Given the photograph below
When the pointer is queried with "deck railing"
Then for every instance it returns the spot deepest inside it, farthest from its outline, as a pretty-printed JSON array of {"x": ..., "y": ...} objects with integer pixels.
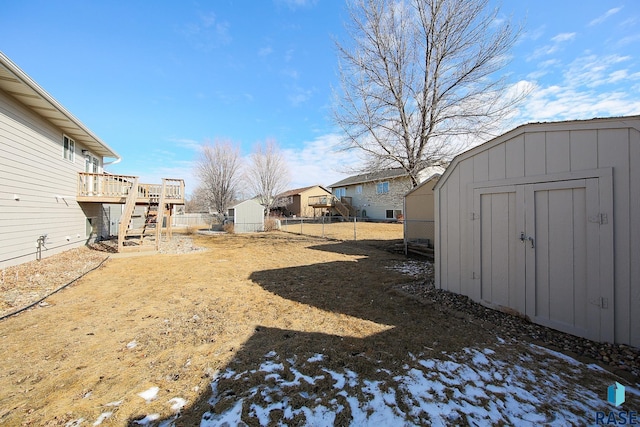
[
  {"x": 325, "y": 200},
  {"x": 115, "y": 188}
]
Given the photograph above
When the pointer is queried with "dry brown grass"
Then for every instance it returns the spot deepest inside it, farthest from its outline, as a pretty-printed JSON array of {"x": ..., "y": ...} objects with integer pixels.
[
  {"x": 347, "y": 230},
  {"x": 174, "y": 321},
  {"x": 188, "y": 316}
]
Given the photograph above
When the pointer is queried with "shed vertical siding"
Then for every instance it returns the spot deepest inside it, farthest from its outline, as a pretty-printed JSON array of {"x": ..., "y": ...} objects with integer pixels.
[
  {"x": 32, "y": 167},
  {"x": 548, "y": 152},
  {"x": 634, "y": 237},
  {"x": 613, "y": 150}
]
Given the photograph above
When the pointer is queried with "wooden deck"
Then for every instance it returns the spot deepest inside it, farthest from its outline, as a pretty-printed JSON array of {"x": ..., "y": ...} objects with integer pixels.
[{"x": 107, "y": 188}]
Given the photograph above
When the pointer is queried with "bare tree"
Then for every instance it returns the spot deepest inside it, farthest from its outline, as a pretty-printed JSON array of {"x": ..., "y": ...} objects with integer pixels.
[
  {"x": 267, "y": 174},
  {"x": 421, "y": 80},
  {"x": 218, "y": 168}
]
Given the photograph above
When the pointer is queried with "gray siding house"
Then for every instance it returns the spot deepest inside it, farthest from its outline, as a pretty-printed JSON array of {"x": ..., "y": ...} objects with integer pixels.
[
  {"x": 43, "y": 147},
  {"x": 544, "y": 221},
  {"x": 53, "y": 184},
  {"x": 378, "y": 195}
]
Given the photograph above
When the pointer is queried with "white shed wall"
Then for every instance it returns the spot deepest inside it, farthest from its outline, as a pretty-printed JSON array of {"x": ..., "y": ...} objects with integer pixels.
[
  {"x": 543, "y": 153},
  {"x": 32, "y": 167},
  {"x": 248, "y": 217}
]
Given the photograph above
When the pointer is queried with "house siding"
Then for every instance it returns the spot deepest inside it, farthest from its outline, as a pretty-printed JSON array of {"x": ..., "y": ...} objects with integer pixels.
[
  {"x": 547, "y": 153},
  {"x": 32, "y": 167},
  {"x": 375, "y": 205}
]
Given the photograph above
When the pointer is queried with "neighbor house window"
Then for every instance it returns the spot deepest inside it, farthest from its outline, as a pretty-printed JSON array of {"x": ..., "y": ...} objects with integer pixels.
[
  {"x": 69, "y": 148},
  {"x": 358, "y": 189},
  {"x": 340, "y": 192},
  {"x": 382, "y": 188},
  {"x": 389, "y": 214}
]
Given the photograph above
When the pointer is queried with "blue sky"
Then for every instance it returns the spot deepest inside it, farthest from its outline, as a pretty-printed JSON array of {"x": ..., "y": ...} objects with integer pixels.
[{"x": 156, "y": 79}]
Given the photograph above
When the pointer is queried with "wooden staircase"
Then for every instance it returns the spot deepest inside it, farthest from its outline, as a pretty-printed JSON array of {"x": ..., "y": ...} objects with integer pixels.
[
  {"x": 141, "y": 231},
  {"x": 343, "y": 208}
]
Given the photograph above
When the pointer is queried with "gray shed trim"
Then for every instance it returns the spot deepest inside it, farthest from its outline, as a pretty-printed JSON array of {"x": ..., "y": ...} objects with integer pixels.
[{"x": 543, "y": 205}]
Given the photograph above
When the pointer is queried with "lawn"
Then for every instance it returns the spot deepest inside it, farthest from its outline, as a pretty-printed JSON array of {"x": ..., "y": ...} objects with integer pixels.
[{"x": 276, "y": 328}]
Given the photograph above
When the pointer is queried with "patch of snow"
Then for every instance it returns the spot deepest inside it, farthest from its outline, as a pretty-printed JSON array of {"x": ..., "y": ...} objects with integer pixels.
[
  {"x": 116, "y": 403},
  {"x": 541, "y": 350},
  {"x": 231, "y": 417},
  {"x": 466, "y": 387},
  {"x": 177, "y": 403},
  {"x": 148, "y": 419},
  {"x": 150, "y": 394},
  {"x": 132, "y": 344},
  {"x": 316, "y": 358},
  {"x": 412, "y": 268},
  {"x": 102, "y": 417}
]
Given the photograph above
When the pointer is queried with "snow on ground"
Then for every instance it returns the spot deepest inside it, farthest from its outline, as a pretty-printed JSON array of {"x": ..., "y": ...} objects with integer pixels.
[
  {"x": 476, "y": 387},
  {"x": 413, "y": 268}
]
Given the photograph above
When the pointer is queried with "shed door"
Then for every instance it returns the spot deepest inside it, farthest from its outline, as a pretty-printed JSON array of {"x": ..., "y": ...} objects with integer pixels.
[
  {"x": 562, "y": 255},
  {"x": 500, "y": 250},
  {"x": 543, "y": 250}
]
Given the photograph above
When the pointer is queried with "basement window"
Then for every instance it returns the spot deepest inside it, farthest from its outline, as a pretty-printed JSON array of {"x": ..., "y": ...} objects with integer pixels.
[
  {"x": 68, "y": 148},
  {"x": 389, "y": 214}
]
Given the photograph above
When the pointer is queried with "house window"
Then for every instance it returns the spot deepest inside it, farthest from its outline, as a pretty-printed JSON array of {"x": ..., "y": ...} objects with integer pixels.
[
  {"x": 389, "y": 214},
  {"x": 358, "y": 189},
  {"x": 340, "y": 192},
  {"x": 69, "y": 148},
  {"x": 382, "y": 187}
]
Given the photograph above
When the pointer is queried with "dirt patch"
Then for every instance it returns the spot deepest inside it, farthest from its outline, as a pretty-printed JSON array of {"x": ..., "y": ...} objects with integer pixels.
[{"x": 141, "y": 339}]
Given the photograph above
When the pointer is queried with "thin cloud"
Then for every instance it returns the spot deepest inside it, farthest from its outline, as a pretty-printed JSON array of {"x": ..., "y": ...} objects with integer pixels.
[
  {"x": 319, "y": 162},
  {"x": 208, "y": 32},
  {"x": 265, "y": 51},
  {"x": 600, "y": 19},
  {"x": 563, "y": 37}
]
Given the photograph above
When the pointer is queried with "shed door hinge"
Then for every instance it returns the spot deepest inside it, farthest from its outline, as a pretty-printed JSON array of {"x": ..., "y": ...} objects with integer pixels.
[
  {"x": 473, "y": 216},
  {"x": 600, "y": 218},
  {"x": 601, "y": 302}
]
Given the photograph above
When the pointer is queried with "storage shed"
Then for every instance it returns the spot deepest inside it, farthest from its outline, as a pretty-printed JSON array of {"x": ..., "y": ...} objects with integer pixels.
[
  {"x": 247, "y": 216},
  {"x": 419, "y": 217},
  {"x": 545, "y": 221}
]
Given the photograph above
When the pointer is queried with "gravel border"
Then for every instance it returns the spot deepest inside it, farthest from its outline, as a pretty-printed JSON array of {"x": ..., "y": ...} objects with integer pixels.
[{"x": 620, "y": 359}]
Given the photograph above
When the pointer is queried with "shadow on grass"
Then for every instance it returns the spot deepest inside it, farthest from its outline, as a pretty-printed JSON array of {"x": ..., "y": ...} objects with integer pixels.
[{"x": 360, "y": 290}]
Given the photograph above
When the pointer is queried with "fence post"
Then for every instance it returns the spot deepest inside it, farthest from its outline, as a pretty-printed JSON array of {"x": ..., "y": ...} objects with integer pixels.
[
  {"x": 300, "y": 226},
  {"x": 323, "y": 226},
  {"x": 354, "y": 228}
]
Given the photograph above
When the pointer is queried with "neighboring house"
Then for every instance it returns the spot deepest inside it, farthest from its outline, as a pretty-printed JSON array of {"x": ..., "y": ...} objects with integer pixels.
[
  {"x": 247, "y": 216},
  {"x": 378, "y": 195},
  {"x": 296, "y": 202},
  {"x": 419, "y": 216},
  {"x": 544, "y": 221},
  {"x": 53, "y": 182}
]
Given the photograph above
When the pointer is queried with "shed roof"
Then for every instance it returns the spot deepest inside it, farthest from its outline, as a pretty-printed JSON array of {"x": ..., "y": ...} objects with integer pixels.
[
  {"x": 566, "y": 125},
  {"x": 18, "y": 84},
  {"x": 425, "y": 182}
]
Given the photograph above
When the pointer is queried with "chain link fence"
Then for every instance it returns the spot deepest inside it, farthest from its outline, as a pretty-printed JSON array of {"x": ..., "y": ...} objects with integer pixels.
[{"x": 340, "y": 228}]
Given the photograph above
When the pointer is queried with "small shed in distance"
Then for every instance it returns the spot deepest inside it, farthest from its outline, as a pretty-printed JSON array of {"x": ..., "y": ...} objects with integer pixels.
[
  {"x": 544, "y": 221},
  {"x": 247, "y": 216},
  {"x": 419, "y": 217}
]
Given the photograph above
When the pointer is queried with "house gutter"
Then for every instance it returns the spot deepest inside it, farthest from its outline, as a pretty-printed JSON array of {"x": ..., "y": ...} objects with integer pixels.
[{"x": 22, "y": 76}]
